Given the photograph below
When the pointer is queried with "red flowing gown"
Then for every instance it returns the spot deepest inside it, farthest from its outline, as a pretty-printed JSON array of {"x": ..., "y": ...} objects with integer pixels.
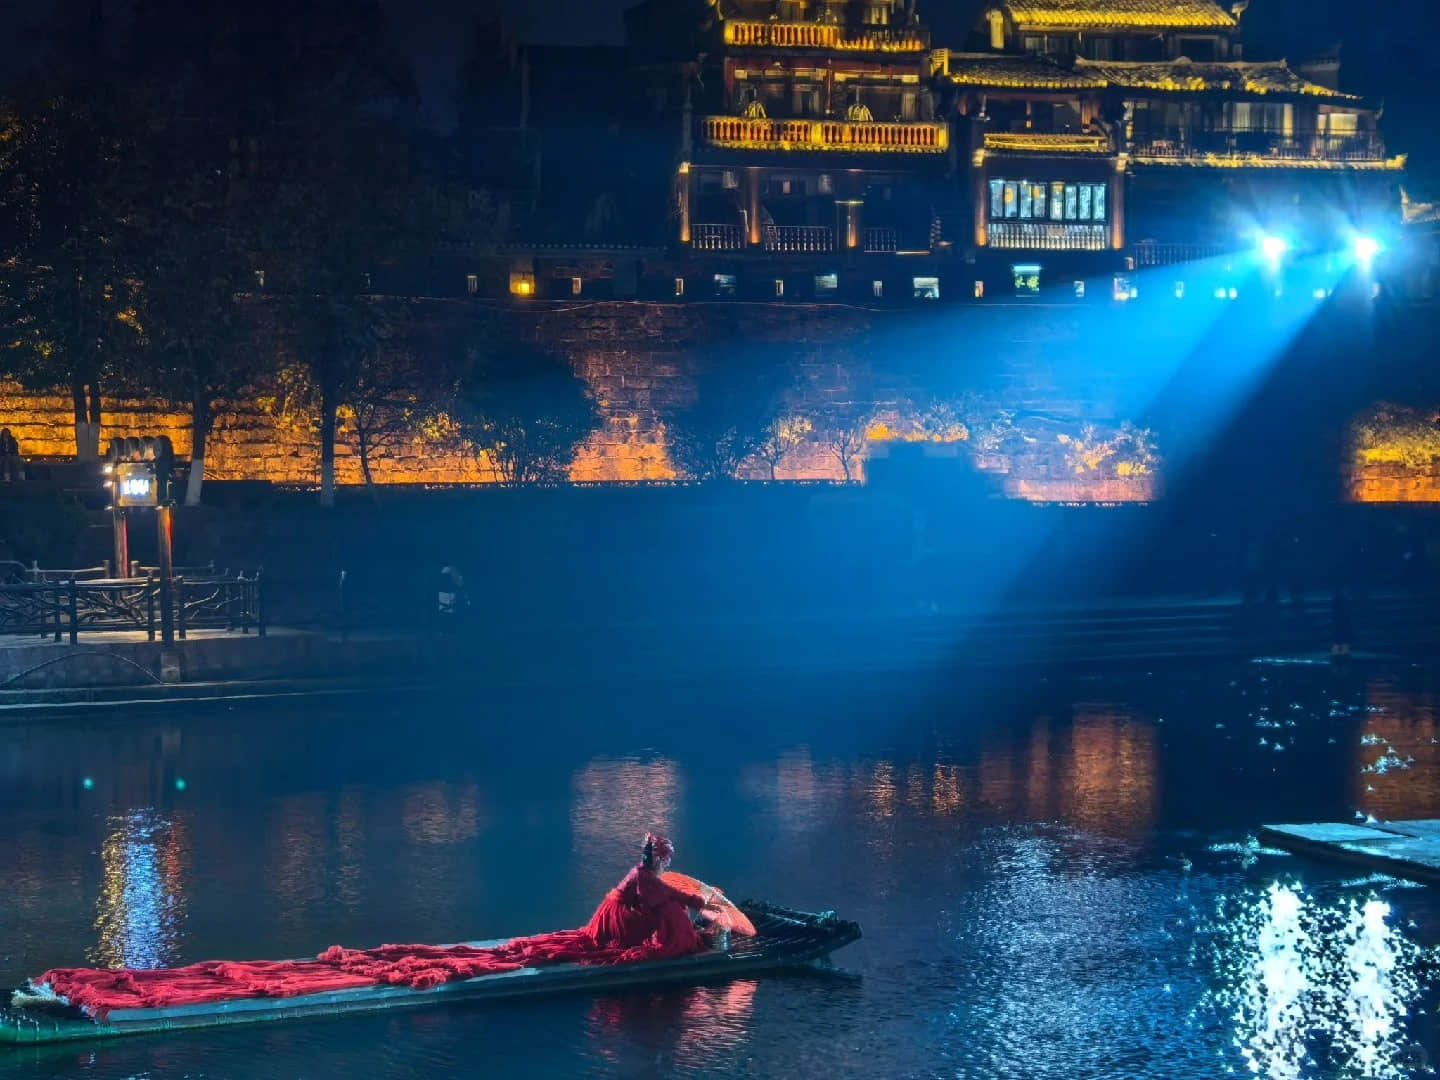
[{"x": 646, "y": 912}]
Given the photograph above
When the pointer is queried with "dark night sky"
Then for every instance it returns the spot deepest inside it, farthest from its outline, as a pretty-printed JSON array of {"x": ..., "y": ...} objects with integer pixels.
[{"x": 1389, "y": 51}]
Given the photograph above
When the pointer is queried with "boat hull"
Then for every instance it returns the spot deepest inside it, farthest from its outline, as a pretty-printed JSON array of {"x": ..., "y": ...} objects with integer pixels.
[{"x": 785, "y": 939}]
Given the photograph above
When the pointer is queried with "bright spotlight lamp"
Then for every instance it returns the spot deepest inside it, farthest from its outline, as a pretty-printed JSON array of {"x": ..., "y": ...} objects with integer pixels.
[
  {"x": 1273, "y": 247},
  {"x": 1365, "y": 249}
]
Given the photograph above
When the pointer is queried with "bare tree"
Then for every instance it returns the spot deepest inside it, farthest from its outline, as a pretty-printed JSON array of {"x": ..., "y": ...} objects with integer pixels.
[
  {"x": 843, "y": 434},
  {"x": 784, "y": 435}
]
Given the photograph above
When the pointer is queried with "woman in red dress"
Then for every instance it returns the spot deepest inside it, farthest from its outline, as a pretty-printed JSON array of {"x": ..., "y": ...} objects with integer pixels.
[{"x": 645, "y": 912}]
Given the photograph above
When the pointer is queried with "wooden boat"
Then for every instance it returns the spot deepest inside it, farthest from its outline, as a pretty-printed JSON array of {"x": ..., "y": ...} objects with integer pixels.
[{"x": 784, "y": 939}]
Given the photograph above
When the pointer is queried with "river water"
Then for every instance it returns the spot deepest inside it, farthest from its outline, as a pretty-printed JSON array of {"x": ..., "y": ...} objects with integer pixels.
[{"x": 1056, "y": 878}]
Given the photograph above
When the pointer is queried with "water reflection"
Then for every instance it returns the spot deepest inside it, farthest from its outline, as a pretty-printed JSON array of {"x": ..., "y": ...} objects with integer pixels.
[
  {"x": 615, "y": 800},
  {"x": 693, "y": 1030},
  {"x": 440, "y": 814},
  {"x": 140, "y": 912},
  {"x": 295, "y": 867},
  {"x": 1313, "y": 989},
  {"x": 1397, "y": 754}
]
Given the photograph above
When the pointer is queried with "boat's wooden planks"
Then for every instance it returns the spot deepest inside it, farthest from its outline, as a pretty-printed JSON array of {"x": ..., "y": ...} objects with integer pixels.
[{"x": 785, "y": 939}]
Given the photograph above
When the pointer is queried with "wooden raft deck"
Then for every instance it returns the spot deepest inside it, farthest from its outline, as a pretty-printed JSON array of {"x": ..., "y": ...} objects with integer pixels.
[{"x": 1407, "y": 849}]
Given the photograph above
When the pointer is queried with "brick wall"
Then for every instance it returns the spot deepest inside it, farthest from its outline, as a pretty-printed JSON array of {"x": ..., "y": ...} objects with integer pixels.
[{"x": 641, "y": 360}]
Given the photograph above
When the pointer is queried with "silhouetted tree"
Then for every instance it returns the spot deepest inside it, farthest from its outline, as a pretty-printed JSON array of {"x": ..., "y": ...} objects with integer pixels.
[
  {"x": 735, "y": 407},
  {"x": 525, "y": 409}
]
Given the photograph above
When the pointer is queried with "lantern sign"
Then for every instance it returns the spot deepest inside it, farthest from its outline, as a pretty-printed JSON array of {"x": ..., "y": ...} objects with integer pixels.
[{"x": 139, "y": 471}]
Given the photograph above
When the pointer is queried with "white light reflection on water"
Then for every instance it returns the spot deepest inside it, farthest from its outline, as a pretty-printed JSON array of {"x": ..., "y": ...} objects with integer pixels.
[
  {"x": 1314, "y": 989},
  {"x": 140, "y": 911}
]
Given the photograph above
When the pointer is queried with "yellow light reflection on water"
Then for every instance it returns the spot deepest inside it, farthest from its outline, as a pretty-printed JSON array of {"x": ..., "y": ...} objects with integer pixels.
[
  {"x": 1396, "y": 772},
  {"x": 140, "y": 911}
]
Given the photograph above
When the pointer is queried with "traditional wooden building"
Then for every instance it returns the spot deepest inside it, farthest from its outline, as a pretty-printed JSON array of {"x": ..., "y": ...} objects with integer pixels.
[{"x": 828, "y": 149}]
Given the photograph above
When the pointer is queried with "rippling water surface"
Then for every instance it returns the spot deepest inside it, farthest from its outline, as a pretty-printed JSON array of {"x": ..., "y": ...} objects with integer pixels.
[{"x": 1055, "y": 880}]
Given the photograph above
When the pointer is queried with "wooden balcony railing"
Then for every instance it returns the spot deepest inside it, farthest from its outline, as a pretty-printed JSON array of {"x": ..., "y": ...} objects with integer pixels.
[
  {"x": 737, "y": 132},
  {"x": 1185, "y": 143},
  {"x": 1039, "y": 236},
  {"x": 717, "y": 237},
  {"x": 805, "y": 35},
  {"x": 799, "y": 238},
  {"x": 879, "y": 241},
  {"x": 1148, "y": 253}
]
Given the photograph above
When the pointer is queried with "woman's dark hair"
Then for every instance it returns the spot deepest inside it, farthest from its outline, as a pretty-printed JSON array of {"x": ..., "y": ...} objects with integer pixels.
[{"x": 647, "y": 855}]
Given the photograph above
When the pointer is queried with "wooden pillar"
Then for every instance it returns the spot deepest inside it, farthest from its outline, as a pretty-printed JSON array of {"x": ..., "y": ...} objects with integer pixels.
[
  {"x": 1117, "y": 205},
  {"x": 752, "y": 207},
  {"x": 122, "y": 539},
  {"x": 848, "y": 223},
  {"x": 982, "y": 193},
  {"x": 682, "y": 183},
  {"x": 167, "y": 578}
]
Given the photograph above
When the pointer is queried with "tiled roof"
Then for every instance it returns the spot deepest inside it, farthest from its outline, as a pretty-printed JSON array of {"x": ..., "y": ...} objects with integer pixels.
[
  {"x": 1022, "y": 72},
  {"x": 1185, "y": 76},
  {"x": 1159, "y": 14}
]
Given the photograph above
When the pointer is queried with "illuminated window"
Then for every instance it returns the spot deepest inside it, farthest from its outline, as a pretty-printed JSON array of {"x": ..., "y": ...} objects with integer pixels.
[
  {"x": 577, "y": 284},
  {"x": 784, "y": 187},
  {"x": 1026, "y": 277},
  {"x": 1027, "y": 200},
  {"x": 926, "y": 288},
  {"x": 997, "y": 198},
  {"x": 826, "y": 184},
  {"x": 1179, "y": 290},
  {"x": 725, "y": 285},
  {"x": 522, "y": 283},
  {"x": 1220, "y": 293},
  {"x": 1233, "y": 293},
  {"x": 1072, "y": 202},
  {"x": 365, "y": 282},
  {"x": 1124, "y": 289},
  {"x": 1079, "y": 290},
  {"x": 1084, "y": 194},
  {"x": 728, "y": 179},
  {"x": 259, "y": 279},
  {"x": 826, "y": 284},
  {"x": 472, "y": 283},
  {"x": 1129, "y": 262},
  {"x": 877, "y": 289},
  {"x": 679, "y": 286},
  {"x": 1097, "y": 202},
  {"x": 979, "y": 290},
  {"x": 779, "y": 286},
  {"x": 1012, "y": 198},
  {"x": 1057, "y": 201},
  {"x": 1037, "y": 198}
]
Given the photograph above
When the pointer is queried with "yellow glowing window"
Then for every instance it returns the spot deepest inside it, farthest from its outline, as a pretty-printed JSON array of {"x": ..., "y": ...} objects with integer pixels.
[
  {"x": 1057, "y": 201},
  {"x": 1012, "y": 199},
  {"x": 522, "y": 283},
  {"x": 979, "y": 290},
  {"x": 679, "y": 286}
]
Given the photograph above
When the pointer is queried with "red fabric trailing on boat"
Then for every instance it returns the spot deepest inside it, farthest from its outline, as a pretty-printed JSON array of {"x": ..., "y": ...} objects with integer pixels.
[{"x": 641, "y": 919}]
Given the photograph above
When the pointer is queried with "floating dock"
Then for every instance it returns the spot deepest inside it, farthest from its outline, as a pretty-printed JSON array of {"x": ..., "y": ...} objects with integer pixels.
[{"x": 1407, "y": 849}]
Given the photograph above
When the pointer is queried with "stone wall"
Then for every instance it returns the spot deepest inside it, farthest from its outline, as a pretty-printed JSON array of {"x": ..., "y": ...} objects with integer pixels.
[
  {"x": 1394, "y": 482},
  {"x": 641, "y": 361}
]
